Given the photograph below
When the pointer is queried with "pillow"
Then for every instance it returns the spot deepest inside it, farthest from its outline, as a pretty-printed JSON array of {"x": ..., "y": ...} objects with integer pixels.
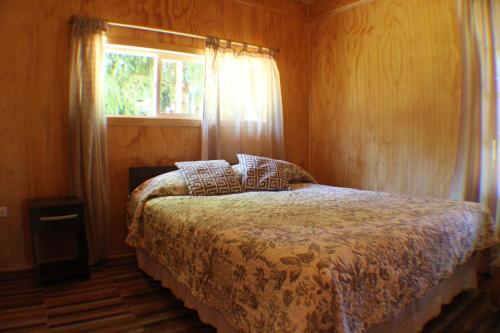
[
  {"x": 237, "y": 171},
  {"x": 296, "y": 174},
  {"x": 214, "y": 177},
  {"x": 262, "y": 174}
]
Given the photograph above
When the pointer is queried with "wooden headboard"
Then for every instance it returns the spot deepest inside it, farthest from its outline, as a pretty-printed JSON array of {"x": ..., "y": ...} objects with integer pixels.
[{"x": 138, "y": 175}]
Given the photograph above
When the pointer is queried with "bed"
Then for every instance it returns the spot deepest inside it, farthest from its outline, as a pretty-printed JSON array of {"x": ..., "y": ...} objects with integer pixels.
[{"x": 314, "y": 259}]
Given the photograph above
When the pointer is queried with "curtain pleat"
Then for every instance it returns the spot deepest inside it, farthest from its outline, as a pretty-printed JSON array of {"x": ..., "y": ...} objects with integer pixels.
[
  {"x": 87, "y": 125},
  {"x": 243, "y": 110},
  {"x": 477, "y": 169}
]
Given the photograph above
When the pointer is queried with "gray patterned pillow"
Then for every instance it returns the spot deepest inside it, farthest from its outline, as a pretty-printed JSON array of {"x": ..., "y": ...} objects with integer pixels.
[
  {"x": 262, "y": 174},
  {"x": 295, "y": 173},
  {"x": 209, "y": 177}
]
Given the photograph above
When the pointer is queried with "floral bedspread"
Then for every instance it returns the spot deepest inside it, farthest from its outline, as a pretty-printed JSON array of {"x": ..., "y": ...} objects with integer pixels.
[{"x": 314, "y": 259}]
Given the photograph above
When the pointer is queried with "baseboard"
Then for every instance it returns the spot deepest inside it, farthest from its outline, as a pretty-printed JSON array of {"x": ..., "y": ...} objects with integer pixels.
[
  {"x": 16, "y": 267},
  {"x": 121, "y": 254}
]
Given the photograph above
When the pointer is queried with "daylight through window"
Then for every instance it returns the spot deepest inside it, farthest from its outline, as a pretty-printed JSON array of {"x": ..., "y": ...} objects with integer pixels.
[{"x": 149, "y": 83}]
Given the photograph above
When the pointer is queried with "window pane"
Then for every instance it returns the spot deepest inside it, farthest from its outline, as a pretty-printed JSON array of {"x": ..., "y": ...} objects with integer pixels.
[
  {"x": 181, "y": 87},
  {"x": 192, "y": 90},
  {"x": 168, "y": 100},
  {"x": 130, "y": 85}
]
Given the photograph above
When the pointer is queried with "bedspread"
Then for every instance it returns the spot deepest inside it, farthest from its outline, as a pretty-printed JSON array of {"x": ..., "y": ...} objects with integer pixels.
[{"x": 313, "y": 259}]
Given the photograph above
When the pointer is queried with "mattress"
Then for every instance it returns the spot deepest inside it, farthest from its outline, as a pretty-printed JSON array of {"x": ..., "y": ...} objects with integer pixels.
[{"x": 316, "y": 258}]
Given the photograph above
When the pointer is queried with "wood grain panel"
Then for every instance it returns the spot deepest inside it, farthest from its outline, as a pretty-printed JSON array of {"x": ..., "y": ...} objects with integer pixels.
[
  {"x": 33, "y": 148},
  {"x": 385, "y": 96},
  {"x": 34, "y": 60},
  {"x": 143, "y": 146},
  {"x": 320, "y": 8}
]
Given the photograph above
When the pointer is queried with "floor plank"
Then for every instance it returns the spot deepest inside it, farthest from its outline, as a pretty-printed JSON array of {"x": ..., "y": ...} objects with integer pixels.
[{"x": 120, "y": 298}]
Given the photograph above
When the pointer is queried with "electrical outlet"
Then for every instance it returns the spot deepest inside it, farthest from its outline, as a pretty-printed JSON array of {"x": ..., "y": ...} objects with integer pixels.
[{"x": 3, "y": 211}]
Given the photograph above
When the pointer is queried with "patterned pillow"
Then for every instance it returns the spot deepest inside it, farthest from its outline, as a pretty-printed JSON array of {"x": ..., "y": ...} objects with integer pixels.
[
  {"x": 262, "y": 174},
  {"x": 209, "y": 177},
  {"x": 294, "y": 173}
]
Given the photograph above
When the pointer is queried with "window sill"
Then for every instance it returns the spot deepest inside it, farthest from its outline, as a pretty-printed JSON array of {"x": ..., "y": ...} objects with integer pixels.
[{"x": 170, "y": 121}]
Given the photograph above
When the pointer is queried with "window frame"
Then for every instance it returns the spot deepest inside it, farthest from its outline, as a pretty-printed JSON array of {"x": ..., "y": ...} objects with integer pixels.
[{"x": 158, "y": 55}]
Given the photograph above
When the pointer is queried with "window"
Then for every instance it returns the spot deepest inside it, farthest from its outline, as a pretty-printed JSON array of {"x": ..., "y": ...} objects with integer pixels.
[{"x": 152, "y": 83}]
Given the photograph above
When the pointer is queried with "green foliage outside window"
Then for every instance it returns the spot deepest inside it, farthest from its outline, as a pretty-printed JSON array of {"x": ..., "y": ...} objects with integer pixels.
[
  {"x": 193, "y": 75},
  {"x": 168, "y": 81},
  {"x": 129, "y": 85},
  {"x": 192, "y": 87}
]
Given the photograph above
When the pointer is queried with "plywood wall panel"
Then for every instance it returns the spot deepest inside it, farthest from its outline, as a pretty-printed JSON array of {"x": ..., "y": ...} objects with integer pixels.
[
  {"x": 34, "y": 61},
  {"x": 143, "y": 146},
  {"x": 321, "y": 8},
  {"x": 258, "y": 22},
  {"x": 33, "y": 150},
  {"x": 385, "y": 96}
]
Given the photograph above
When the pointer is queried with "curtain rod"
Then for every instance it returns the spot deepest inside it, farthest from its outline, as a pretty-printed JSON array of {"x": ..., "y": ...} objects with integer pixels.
[{"x": 183, "y": 34}]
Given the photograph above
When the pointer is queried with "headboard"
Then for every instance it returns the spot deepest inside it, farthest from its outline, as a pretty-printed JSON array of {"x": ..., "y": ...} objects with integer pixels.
[{"x": 138, "y": 175}]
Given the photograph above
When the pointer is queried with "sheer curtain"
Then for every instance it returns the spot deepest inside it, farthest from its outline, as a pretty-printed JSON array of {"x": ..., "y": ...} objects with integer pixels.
[
  {"x": 87, "y": 122},
  {"x": 242, "y": 109},
  {"x": 477, "y": 169}
]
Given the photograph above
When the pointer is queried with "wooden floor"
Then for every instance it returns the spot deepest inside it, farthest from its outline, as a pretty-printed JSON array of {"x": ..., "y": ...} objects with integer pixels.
[{"x": 120, "y": 298}]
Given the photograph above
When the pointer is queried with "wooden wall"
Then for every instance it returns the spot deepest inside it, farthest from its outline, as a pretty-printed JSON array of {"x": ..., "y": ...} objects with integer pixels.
[
  {"x": 34, "y": 46},
  {"x": 371, "y": 93},
  {"x": 385, "y": 94}
]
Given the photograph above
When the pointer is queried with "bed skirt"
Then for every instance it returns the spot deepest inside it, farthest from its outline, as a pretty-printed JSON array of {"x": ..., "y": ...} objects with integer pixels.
[
  {"x": 410, "y": 319},
  {"x": 413, "y": 317},
  {"x": 207, "y": 314}
]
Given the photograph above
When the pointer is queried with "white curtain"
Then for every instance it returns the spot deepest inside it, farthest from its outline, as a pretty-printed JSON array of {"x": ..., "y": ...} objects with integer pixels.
[
  {"x": 242, "y": 109},
  {"x": 87, "y": 122},
  {"x": 477, "y": 172}
]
